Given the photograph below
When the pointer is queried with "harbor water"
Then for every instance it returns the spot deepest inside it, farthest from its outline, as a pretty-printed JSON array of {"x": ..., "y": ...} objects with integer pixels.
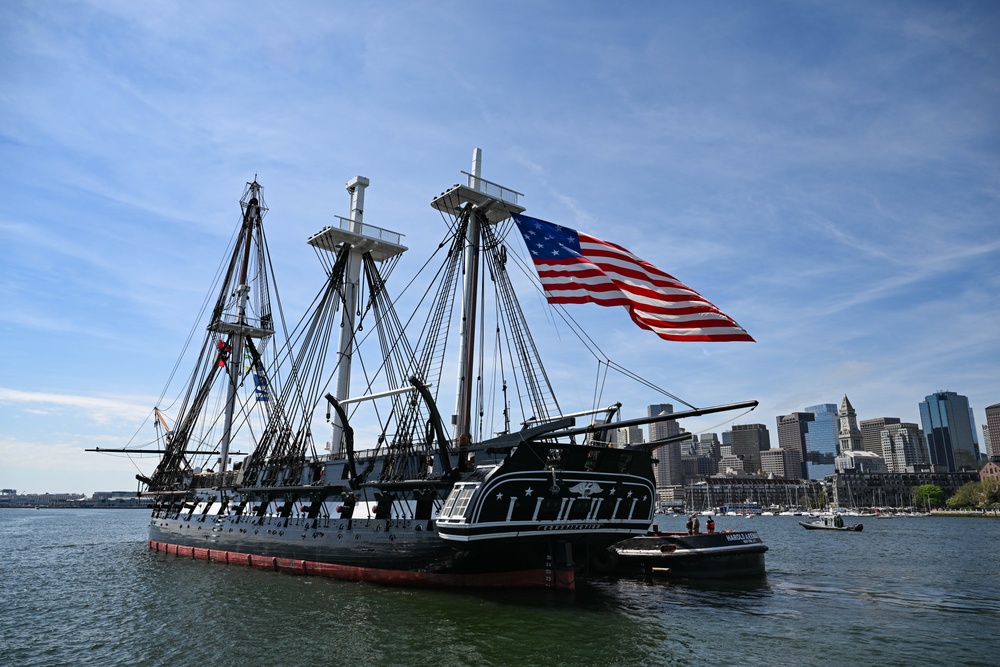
[{"x": 79, "y": 587}]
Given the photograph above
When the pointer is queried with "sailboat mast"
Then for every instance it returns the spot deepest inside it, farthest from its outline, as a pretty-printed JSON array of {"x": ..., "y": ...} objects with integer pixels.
[{"x": 467, "y": 331}]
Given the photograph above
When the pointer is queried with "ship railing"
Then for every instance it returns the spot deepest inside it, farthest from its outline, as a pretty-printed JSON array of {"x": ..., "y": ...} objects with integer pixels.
[
  {"x": 370, "y": 231},
  {"x": 215, "y": 479},
  {"x": 492, "y": 189},
  {"x": 359, "y": 455}
]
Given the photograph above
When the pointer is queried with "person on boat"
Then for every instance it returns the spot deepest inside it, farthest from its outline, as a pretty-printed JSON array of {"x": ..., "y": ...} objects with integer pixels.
[
  {"x": 838, "y": 521},
  {"x": 710, "y": 525},
  {"x": 694, "y": 526},
  {"x": 689, "y": 525}
]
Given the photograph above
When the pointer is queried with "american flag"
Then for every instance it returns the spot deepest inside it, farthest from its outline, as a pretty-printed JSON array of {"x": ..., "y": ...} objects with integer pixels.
[{"x": 574, "y": 267}]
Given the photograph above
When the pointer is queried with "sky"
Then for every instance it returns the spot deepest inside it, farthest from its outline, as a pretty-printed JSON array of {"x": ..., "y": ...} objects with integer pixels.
[{"x": 827, "y": 173}]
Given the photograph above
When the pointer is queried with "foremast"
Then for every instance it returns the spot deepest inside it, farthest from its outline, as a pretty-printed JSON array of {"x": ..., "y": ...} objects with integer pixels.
[
  {"x": 229, "y": 337},
  {"x": 238, "y": 329}
]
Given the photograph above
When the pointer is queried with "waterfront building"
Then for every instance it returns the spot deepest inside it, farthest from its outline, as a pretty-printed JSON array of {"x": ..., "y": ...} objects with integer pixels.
[
  {"x": 858, "y": 460},
  {"x": 859, "y": 489},
  {"x": 991, "y": 470},
  {"x": 669, "y": 495},
  {"x": 715, "y": 492},
  {"x": 871, "y": 433},
  {"x": 821, "y": 440},
  {"x": 904, "y": 447},
  {"x": 103, "y": 499},
  {"x": 782, "y": 462},
  {"x": 792, "y": 432},
  {"x": 992, "y": 435},
  {"x": 848, "y": 435},
  {"x": 749, "y": 440},
  {"x": 944, "y": 416}
]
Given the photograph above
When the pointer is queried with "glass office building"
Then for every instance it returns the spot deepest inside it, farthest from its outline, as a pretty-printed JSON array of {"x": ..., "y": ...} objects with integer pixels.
[
  {"x": 949, "y": 431},
  {"x": 821, "y": 440}
]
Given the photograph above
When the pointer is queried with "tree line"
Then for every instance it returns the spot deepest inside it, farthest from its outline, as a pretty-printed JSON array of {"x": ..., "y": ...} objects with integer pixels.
[{"x": 982, "y": 495}]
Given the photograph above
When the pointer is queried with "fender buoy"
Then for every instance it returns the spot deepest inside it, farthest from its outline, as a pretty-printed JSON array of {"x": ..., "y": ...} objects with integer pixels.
[{"x": 604, "y": 561}]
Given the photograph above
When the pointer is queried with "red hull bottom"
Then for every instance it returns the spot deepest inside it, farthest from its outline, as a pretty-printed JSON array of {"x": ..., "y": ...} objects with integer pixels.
[{"x": 556, "y": 578}]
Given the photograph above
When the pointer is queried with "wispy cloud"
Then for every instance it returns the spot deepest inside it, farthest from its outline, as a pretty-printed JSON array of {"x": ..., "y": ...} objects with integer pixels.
[{"x": 88, "y": 408}]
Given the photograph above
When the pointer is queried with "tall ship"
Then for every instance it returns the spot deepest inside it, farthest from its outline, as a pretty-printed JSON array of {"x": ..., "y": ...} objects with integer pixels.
[{"x": 324, "y": 447}]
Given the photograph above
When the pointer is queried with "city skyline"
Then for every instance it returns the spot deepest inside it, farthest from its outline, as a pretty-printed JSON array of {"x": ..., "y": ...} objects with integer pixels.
[
  {"x": 824, "y": 173},
  {"x": 900, "y": 445}
]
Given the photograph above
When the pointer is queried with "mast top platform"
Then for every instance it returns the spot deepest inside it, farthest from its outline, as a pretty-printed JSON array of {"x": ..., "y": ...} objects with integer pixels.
[
  {"x": 495, "y": 201},
  {"x": 382, "y": 243}
]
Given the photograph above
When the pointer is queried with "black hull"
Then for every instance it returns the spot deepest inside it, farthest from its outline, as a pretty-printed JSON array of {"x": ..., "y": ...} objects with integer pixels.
[
  {"x": 679, "y": 555},
  {"x": 381, "y": 545},
  {"x": 509, "y": 522},
  {"x": 367, "y": 552}
]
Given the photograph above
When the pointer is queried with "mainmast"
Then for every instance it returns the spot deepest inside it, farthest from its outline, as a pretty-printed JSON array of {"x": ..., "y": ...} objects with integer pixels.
[
  {"x": 362, "y": 239},
  {"x": 482, "y": 203}
]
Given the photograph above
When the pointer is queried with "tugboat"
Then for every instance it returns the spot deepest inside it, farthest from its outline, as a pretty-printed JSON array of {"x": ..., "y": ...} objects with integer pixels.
[
  {"x": 432, "y": 501},
  {"x": 726, "y": 555}
]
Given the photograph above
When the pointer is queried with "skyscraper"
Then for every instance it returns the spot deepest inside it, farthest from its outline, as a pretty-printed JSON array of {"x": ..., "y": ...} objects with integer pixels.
[
  {"x": 821, "y": 440},
  {"x": 993, "y": 428},
  {"x": 871, "y": 433},
  {"x": 708, "y": 446},
  {"x": 670, "y": 469},
  {"x": 748, "y": 442},
  {"x": 945, "y": 418},
  {"x": 664, "y": 429},
  {"x": 849, "y": 435},
  {"x": 903, "y": 447},
  {"x": 792, "y": 431}
]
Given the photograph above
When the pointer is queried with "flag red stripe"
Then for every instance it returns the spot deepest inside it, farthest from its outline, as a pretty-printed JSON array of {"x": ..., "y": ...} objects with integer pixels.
[{"x": 609, "y": 275}]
